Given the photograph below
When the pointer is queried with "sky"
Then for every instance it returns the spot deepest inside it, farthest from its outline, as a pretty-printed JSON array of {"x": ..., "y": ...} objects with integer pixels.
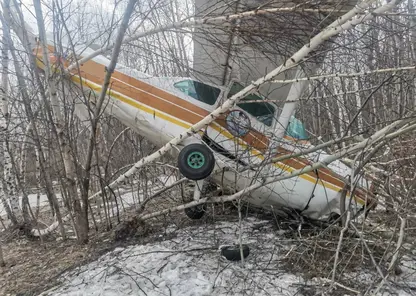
[{"x": 94, "y": 7}]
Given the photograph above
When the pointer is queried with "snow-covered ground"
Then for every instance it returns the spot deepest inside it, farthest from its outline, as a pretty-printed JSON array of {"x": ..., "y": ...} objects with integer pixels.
[
  {"x": 128, "y": 197},
  {"x": 187, "y": 262},
  {"x": 43, "y": 201}
]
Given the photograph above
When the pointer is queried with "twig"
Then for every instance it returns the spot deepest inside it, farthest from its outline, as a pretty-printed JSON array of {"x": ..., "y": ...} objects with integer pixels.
[
  {"x": 2, "y": 263},
  {"x": 341, "y": 236},
  {"x": 156, "y": 194},
  {"x": 368, "y": 250},
  {"x": 240, "y": 240},
  {"x": 395, "y": 256},
  {"x": 343, "y": 287},
  {"x": 356, "y": 74},
  {"x": 223, "y": 19}
]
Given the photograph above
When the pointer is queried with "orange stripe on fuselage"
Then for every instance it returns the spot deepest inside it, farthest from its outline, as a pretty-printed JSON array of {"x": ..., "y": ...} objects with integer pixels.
[{"x": 168, "y": 103}]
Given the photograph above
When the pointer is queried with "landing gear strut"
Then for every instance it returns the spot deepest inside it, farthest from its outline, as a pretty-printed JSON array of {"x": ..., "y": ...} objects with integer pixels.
[
  {"x": 197, "y": 212},
  {"x": 196, "y": 162}
]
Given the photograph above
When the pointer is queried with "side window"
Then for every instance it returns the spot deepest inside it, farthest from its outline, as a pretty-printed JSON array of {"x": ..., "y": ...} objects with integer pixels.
[
  {"x": 296, "y": 129},
  {"x": 199, "y": 91},
  {"x": 264, "y": 112}
]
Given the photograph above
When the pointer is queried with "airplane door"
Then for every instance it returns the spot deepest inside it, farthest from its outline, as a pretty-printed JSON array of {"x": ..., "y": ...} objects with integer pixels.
[{"x": 237, "y": 133}]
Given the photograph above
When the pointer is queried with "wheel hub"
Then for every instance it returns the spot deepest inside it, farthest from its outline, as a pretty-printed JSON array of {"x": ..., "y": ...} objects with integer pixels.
[{"x": 196, "y": 160}]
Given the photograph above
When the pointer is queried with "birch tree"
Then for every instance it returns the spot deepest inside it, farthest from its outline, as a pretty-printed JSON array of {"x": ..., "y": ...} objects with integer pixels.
[
  {"x": 344, "y": 23},
  {"x": 65, "y": 149},
  {"x": 30, "y": 115},
  {"x": 8, "y": 185}
]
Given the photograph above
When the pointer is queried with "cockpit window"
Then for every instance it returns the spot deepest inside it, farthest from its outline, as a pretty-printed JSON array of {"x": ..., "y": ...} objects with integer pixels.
[
  {"x": 199, "y": 91},
  {"x": 264, "y": 112}
]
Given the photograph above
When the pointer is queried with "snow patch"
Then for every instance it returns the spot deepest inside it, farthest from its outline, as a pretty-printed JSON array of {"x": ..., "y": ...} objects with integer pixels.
[{"x": 190, "y": 264}]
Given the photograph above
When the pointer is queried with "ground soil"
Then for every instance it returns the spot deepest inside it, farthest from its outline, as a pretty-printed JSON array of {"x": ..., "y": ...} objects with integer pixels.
[{"x": 32, "y": 266}]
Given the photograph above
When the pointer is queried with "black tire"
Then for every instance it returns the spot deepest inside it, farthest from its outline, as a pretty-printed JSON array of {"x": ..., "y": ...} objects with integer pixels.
[
  {"x": 202, "y": 169},
  {"x": 335, "y": 217},
  {"x": 232, "y": 253},
  {"x": 195, "y": 213}
]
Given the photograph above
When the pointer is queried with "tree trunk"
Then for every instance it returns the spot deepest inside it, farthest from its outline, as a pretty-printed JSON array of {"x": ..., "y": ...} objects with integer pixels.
[
  {"x": 97, "y": 111},
  {"x": 9, "y": 177},
  {"x": 29, "y": 112},
  {"x": 66, "y": 153},
  {"x": 2, "y": 263}
]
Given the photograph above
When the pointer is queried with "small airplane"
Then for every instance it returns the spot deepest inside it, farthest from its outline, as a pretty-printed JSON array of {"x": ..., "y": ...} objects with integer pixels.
[{"x": 232, "y": 151}]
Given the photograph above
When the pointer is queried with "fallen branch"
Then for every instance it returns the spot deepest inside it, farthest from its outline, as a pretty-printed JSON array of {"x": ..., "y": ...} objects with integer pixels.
[
  {"x": 342, "y": 286},
  {"x": 300, "y": 153},
  {"x": 156, "y": 194},
  {"x": 362, "y": 145},
  {"x": 331, "y": 30},
  {"x": 343, "y": 23},
  {"x": 222, "y": 19},
  {"x": 356, "y": 74},
  {"x": 395, "y": 256},
  {"x": 341, "y": 236},
  {"x": 368, "y": 250}
]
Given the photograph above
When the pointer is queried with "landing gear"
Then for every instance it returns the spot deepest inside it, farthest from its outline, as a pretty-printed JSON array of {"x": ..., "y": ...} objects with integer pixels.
[
  {"x": 196, "y": 162},
  {"x": 197, "y": 212},
  {"x": 335, "y": 217}
]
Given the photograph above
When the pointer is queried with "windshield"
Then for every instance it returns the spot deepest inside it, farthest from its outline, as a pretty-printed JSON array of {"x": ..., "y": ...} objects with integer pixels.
[
  {"x": 264, "y": 112},
  {"x": 199, "y": 91}
]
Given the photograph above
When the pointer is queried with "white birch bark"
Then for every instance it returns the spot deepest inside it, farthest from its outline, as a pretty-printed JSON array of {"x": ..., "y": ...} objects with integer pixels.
[
  {"x": 389, "y": 132},
  {"x": 343, "y": 23},
  {"x": 65, "y": 148},
  {"x": 38, "y": 184},
  {"x": 23, "y": 154},
  {"x": 9, "y": 176},
  {"x": 227, "y": 18},
  {"x": 10, "y": 180},
  {"x": 348, "y": 75},
  {"x": 28, "y": 108}
]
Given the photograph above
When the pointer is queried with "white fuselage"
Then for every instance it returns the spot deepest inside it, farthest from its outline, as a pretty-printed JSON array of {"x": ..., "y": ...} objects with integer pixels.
[{"x": 154, "y": 108}]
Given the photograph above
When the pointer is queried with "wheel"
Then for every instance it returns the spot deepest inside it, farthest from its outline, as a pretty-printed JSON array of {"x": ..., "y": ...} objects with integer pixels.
[
  {"x": 196, "y": 162},
  {"x": 232, "y": 253},
  {"x": 195, "y": 213},
  {"x": 333, "y": 217}
]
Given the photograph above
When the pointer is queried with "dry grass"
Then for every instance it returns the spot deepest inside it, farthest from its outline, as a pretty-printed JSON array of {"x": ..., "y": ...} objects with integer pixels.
[{"x": 32, "y": 265}]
